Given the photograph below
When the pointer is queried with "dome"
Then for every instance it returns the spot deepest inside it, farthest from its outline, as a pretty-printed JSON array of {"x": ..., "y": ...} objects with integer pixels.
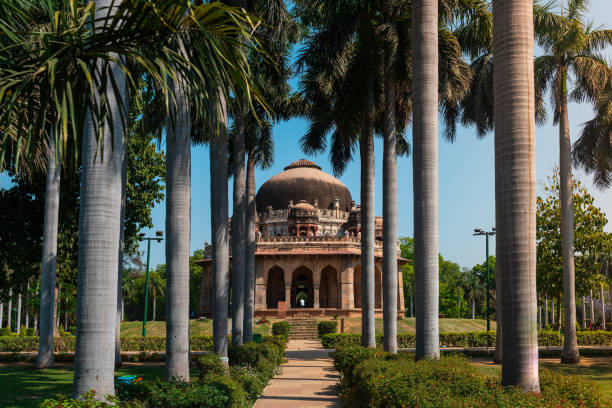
[
  {"x": 303, "y": 213},
  {"x": 302, "y": 180}
]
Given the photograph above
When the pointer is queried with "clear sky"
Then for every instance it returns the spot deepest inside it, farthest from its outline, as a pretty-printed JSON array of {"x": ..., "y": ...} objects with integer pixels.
[{"x": 466, "y": 179}]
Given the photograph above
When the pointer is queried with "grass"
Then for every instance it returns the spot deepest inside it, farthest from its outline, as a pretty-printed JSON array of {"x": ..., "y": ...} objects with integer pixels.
[
  {"x": 21, "y": 385},
  {"x": 351, "y": 325},
  {"x": 597, "y": 369}
]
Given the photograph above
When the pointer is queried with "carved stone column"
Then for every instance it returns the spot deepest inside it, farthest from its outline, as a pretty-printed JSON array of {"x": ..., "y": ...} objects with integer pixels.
[
  {"x": 316, "y": 295},
  {"x": 347, "y": 293}
]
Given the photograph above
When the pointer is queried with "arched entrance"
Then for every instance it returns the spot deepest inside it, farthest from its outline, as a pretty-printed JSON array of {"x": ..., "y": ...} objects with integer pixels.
[
  {"x": 302, "y": 288},
  {"x": 357, "y": 286},
  {"x": 328, "y": 288},
  {"x": 275, "y": 291}
]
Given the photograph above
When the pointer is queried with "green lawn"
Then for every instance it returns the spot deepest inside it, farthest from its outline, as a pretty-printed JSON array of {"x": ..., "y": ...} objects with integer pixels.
[
  {"x": 352, "y": 325},
  {"x": 598, "y": 370},
  {"x": 23, "y": 386}
]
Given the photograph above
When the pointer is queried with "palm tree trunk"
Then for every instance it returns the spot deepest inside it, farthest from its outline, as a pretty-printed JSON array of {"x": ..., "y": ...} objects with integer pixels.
[
  {"x": 120, "y": 262},
  {"x": 411, "y": 305},
  {"x": 56, "y": 311},
  {"x": 425, "y": 175},
  {"x": 545, "y": 310},
  {"x": 473, "y": 309},
  {"x": 552, "y": 311},
  {"x": 389, "y": 217},
  {"x": 218, "y": 215},
  {"x": 368, "y": 336},
  {"x": 178, "y": 234},
  {"x": 570, "y": 353},
  {"x": 238, "y": 230},
  {"x": 249, "y": 265},
  {"x": 584, "y": 317},
  {"x": 154, "y": 307},
  {"x": 44, "y": 358},
  {"x": 26, "y": 313},
  {"x": 122, "y": 308},
  {"x": 9, "y": 310},
  {"x": 558, "y": 323},
  {"x": 99, "y": 233},
  {"x": 1, "y": 313},
  {"x": 18, "y": 326},
  {"x": 590, "y": 301},
  {"x": 515, "y": 189},
  {"x": 66, "y": 317},
  {"x": 603, "y": 307}
]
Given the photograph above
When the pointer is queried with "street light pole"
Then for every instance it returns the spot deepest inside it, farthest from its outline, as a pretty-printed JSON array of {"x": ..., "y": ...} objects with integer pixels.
[
  {"x": 158, "y": 238},
  {"x": 487, "y": 234}
]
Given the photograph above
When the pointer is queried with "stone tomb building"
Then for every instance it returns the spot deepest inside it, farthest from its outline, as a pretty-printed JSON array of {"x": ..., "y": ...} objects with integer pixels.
[{"x": 308, "y": 248}]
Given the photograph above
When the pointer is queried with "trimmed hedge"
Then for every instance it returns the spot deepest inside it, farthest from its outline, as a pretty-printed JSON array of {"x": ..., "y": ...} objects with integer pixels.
[
  {"x": 371, "y": 378},
  {"x": 131, "y": 343},
  {"x": 251, "y": 367},
  {"x": 281, "y": 328},
  {"x": 326, "y": 327},
  {"x": 470, "y": 339}
]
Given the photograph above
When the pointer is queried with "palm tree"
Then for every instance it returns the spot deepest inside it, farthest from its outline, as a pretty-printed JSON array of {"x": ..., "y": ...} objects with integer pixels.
[
  {"x": 425, "y": 171},
  {"x": 219, "y": 226},
  {"x": 515, "y": 197},
  {"x": 120, "y": 302},
  {"x": 178, "y": 226},
  {"x": 570, "y": 46},
  {"x": 238, "y": 227},
  {"x": 157, "y": 285},
  {"x": 47, "y": 293}
]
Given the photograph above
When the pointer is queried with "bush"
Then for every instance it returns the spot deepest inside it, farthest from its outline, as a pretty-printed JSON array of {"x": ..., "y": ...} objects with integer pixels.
[
  {"x": 88, "y": 400},
  {"x": 196, "y": 394},
  {"x": 371, "y": 378},
  {"x": 326, "y": 327},
  {"x": 250, "y": 379},
  {"x": 22, "y": 330},
  {"x": 210, "y": 364},
  {"x": 281, "y": 328},
  {"x": 471, "y": 339},
  {"x": 30, "y": 331},
  {"x": 5, "y": 331}
]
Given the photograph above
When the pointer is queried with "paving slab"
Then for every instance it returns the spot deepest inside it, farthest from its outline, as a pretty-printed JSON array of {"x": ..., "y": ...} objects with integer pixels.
[{"x": 308, "y": 379}]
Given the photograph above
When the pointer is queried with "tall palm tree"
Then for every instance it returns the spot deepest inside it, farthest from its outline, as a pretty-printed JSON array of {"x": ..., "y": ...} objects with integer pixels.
[
  {"x": 119, "y": 310},
  {"x": 238, "y": 227},
  {"x": 425, "y": 171},
  {"x": 570, "y": 47},
  {"x": 515, "y": 196},
  {"x": 219, "y": 226},
  {"x": 49, "y": 263},
  {"x": 178, "y": 227}
]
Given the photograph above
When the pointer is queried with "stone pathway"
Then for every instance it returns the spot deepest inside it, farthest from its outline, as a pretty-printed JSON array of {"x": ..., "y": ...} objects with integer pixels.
[{"x": 308, "y": 379}]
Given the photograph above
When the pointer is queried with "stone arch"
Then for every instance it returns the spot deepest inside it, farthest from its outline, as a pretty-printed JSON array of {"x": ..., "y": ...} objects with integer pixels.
[
  {"x": 328, "y": 288},
  {"x": 302, "y": 285},
  {"x": 275, "y": 290},
  {"x": 357, "y": 286},
  {"x": 377, "y": 288}
]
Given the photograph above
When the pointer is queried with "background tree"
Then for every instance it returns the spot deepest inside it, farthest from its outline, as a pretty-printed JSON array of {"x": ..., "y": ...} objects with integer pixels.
[{"x": 570, "y": 46}]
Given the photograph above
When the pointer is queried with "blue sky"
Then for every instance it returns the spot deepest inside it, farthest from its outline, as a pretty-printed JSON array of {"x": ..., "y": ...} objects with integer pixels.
[{"x": 466, "y": 179}]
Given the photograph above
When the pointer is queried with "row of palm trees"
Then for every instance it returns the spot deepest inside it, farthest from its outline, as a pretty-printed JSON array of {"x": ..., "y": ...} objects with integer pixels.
[{"x": 368, "y": 67}]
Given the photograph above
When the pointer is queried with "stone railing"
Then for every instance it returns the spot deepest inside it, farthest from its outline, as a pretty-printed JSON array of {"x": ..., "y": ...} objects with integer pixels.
[
  {"x": 318, "y": 239},
  {"x": 281, "y": 215}
]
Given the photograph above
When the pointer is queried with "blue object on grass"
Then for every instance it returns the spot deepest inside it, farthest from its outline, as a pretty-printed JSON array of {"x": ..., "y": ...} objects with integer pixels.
[{"x": 126, "y": 379}]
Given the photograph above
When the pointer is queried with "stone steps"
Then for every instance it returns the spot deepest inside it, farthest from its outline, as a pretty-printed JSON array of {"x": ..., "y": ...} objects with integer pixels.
[{"x": 303, "y": 329}]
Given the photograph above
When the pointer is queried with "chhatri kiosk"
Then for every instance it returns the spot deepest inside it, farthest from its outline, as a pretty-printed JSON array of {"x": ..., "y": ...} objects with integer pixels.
[{"x": 308, "y": 248}]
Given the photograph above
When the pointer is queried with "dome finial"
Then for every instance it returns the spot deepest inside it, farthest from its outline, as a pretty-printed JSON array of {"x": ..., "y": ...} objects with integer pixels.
[{"x": 303, "y": 163}]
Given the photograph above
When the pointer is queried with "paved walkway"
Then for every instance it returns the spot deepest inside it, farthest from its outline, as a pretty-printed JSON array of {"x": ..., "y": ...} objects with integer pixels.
[{"x": 308, "y": 379}]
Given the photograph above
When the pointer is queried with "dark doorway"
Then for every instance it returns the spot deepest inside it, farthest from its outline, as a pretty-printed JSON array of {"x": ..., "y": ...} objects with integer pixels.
[
  {"x": 275, "y": 290},
  {"x": 302, "y": 288},
  {"x": 328, "y": 288}
]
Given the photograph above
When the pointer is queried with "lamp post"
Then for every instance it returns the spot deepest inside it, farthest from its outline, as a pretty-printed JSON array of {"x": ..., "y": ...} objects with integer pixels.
[
  {"x": 487, "y": 234},
  {"x": 158, "y": 238}
]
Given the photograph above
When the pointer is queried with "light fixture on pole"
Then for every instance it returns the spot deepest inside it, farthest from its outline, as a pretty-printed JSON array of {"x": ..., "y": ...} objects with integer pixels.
[
  {"x": 158, "y": 238},
  {"x": 487, "y": 234}
]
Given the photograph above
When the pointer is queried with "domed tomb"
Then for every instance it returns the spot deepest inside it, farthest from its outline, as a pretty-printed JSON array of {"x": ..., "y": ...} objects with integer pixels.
[{"x": 302, "y": 180}]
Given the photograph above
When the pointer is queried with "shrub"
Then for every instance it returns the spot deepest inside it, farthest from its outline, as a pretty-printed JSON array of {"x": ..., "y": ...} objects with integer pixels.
[
  {"x": 281, "y": 329},
  {"x": 326, "y": 327},
  {"x": 237, "y": 395},
  {"x": 22, "y": 330},
  {"x": 250, "y": 379},
  {"x": 88, "y": 400},
  {"x": 196, "y": 394},
  {"x": 30, "y": 331},
  {"x": 210, "y": 364},
  {"x": 5, "y": 331},
  {"x": 371, "y": 378},
  {"x": 471, "y": 339}
]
